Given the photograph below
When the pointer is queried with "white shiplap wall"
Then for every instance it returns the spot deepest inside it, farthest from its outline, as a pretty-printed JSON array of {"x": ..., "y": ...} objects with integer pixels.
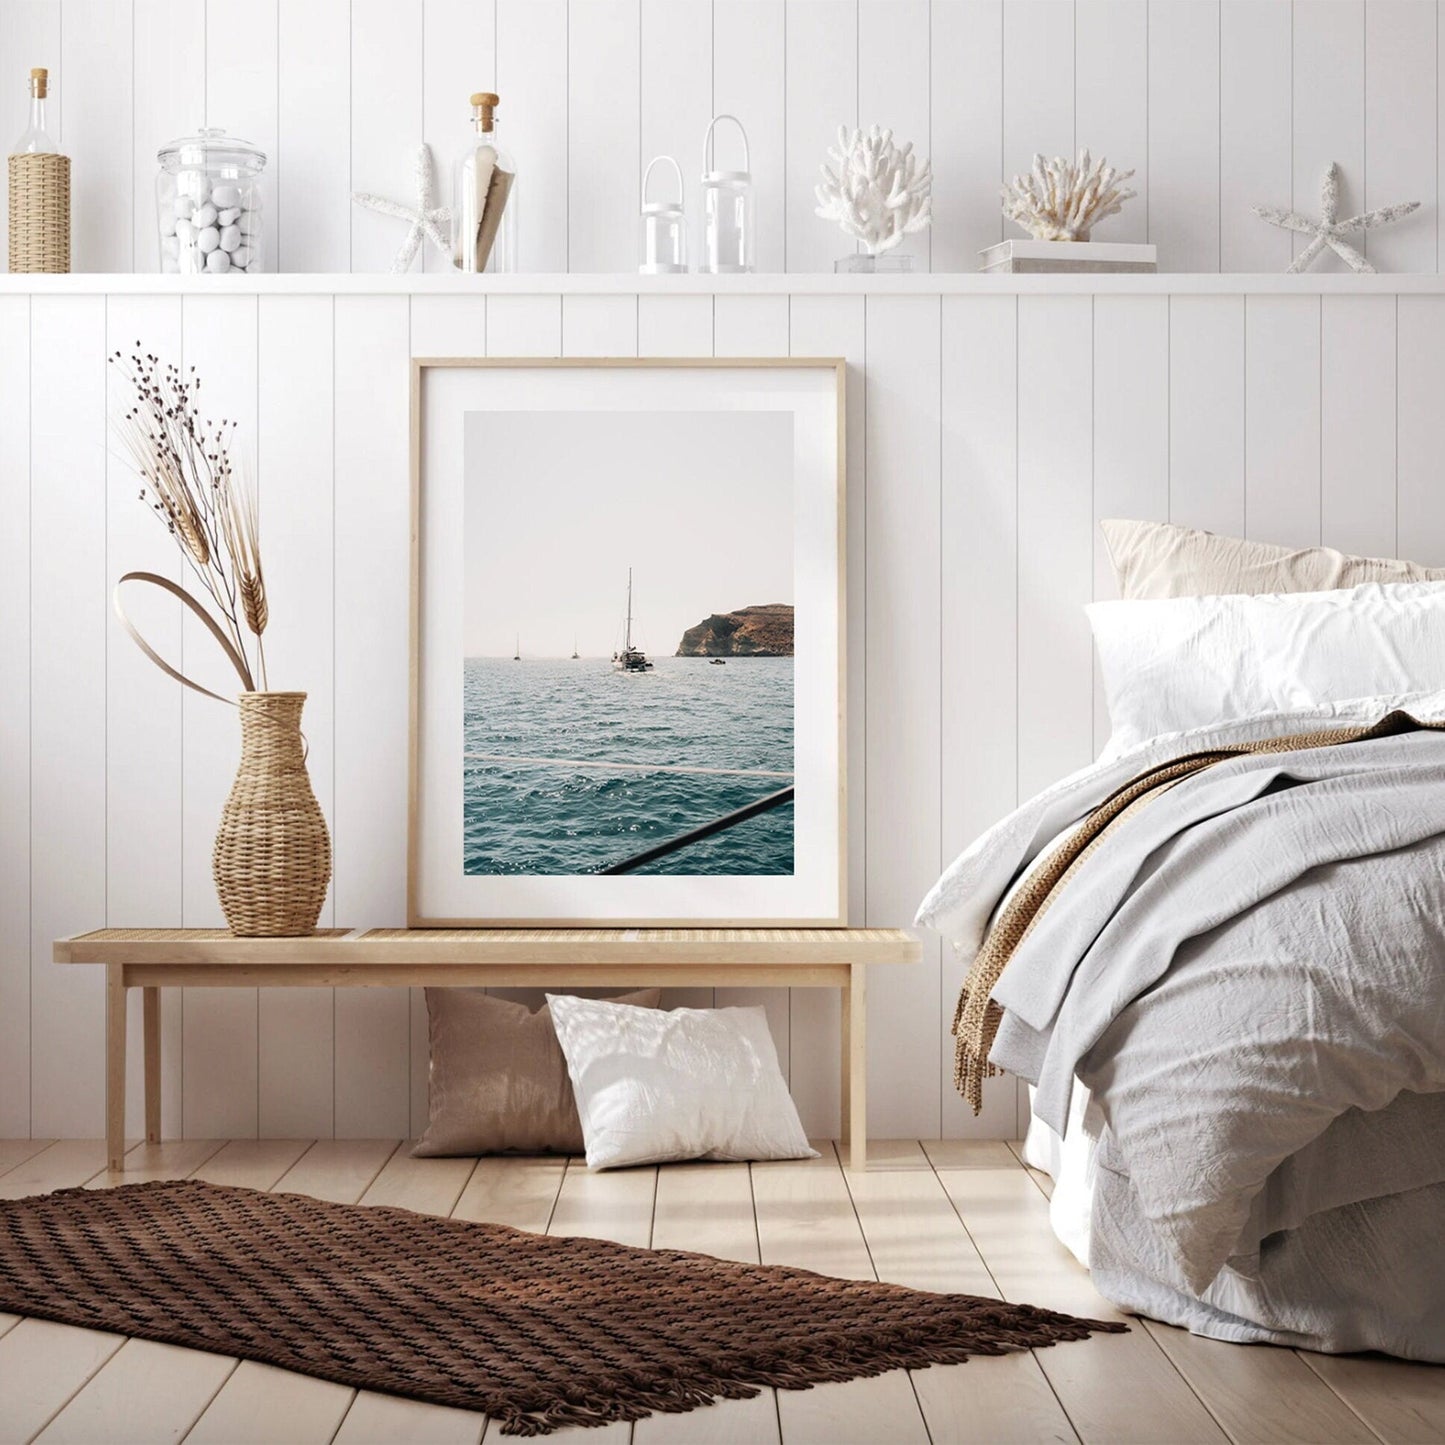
[
  {"x": 990, "y": 426},
  {"x": 1218, "y": 104}
]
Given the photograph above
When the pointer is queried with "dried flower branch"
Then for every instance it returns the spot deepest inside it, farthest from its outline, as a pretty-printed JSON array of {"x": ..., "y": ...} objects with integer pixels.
[{"x": 184, "y": 465}]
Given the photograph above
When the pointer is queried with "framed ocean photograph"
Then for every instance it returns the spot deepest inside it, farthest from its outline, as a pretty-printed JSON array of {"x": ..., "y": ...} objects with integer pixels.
[{"x": 627, "y": 643}]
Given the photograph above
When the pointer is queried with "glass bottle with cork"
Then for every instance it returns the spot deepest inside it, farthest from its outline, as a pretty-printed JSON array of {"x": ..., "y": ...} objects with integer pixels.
[
  {"x": 39, "y": 192},
  {"x": 484, "y": 196}
]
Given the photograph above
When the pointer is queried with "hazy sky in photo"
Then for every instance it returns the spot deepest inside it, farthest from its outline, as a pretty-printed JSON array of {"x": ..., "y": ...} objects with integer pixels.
[{"x": 558, "y": 505}]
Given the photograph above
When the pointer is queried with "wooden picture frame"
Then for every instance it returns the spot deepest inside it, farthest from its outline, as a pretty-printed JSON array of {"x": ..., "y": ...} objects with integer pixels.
[{"x": 814, "y": 390}]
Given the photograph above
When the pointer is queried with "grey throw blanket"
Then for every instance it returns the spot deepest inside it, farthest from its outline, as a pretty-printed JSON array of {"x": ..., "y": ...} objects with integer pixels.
[{"x": 1255, "y": 955}]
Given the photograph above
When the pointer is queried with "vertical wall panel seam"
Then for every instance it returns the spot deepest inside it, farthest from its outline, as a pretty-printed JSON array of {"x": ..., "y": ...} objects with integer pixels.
[
  {"x": 350, "y": 172},
  {"x": 1093, "y": 486},
  {"x": 1364, "y": 127},
  {"x": 863, "y": 622},
  {"x": 105, "y": 667},
  {"x": 256, "y": 494},
  {"x": 1168, "y": 408},
  {"x": 30, "y": 702},
  {"x": 276, "y": 190},
  {"x": 1244, "y": 403},
  {"x": 1293, "y": 198},
  {"x": 134, "y": 218},
  {"x": 335, "y": 797},
  {"x": 1018, "y": 350},
  {"x": 567, "y": 147}
]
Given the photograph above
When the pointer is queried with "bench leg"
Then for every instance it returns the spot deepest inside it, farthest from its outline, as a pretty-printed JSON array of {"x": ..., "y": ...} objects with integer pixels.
[
  {"x": 115, "y": 1066},
  {"x": 151, "y": 1005},
  {"x": 855, "y": 1068}
]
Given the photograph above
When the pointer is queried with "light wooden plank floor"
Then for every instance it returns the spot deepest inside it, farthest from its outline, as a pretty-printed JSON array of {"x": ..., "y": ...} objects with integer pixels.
[{"x": 943, "y": 1216}]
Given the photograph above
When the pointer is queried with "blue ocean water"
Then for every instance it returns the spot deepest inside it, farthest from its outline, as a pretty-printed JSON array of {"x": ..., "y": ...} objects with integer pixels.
[{"x": 561, "y": 818}]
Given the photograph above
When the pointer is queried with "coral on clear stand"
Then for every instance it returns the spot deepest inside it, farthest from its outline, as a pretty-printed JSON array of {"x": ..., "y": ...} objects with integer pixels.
[{"x": 879, "y": 193}]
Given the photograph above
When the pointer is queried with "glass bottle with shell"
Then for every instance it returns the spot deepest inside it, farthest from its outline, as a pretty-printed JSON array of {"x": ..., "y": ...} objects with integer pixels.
[{"x": 484, "y": 196}]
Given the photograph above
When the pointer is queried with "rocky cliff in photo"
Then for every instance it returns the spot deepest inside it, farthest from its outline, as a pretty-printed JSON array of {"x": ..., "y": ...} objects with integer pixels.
[{"x": 765, "y": 631}]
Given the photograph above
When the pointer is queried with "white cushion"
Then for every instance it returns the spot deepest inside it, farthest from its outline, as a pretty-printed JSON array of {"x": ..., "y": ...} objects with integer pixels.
[
  {"x": 1190, "y": 662},
  {"x": 654, "y": 1086}
]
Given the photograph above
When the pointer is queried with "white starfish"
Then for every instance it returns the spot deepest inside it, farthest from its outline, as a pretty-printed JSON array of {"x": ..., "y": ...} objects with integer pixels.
[
  {"x": 1328, "y": 230},
  {"x": 428, "y": 222}
]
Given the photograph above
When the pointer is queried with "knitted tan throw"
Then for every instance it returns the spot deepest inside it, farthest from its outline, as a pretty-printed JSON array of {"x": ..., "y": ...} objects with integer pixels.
[
  {"x": 977, "y": 1017},
  {"x": 538, "y": 1332}
]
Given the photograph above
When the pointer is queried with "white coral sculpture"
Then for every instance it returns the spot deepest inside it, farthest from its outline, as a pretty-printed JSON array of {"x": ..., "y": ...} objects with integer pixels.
[
  {"x": 1063, "y": 200},
  {"x": 879, "y": 194}
]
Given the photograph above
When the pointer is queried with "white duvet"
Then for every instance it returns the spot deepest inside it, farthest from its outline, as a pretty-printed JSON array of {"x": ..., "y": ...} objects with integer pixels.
[{"x": 1249, "y": 978}]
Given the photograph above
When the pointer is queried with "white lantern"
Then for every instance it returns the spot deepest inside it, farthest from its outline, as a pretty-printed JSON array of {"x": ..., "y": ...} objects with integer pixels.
[
  {"x": 664, "y": 228},
  {"x": 727, "y": 209}
]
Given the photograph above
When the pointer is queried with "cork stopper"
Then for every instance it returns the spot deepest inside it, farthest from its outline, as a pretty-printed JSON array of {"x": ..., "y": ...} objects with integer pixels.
[
  {"x": 39, "y": 83},
  {"x": 483, "y": 103}
]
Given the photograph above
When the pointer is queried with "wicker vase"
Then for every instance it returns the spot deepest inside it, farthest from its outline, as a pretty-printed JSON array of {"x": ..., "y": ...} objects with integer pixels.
[{"x": 272, "y": 859}]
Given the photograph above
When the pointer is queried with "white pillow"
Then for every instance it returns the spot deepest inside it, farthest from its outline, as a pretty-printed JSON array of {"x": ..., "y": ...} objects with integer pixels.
[
  {"x": 1190, "y": 662},
  {"x": 654, "y": 1085}
]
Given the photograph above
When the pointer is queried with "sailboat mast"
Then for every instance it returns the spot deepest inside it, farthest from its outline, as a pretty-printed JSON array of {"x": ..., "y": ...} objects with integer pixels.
[{"x": 627, "y": 641}]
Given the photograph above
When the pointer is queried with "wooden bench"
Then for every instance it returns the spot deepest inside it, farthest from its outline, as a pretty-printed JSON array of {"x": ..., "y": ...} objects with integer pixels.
[{"x": 155, "y": 958}]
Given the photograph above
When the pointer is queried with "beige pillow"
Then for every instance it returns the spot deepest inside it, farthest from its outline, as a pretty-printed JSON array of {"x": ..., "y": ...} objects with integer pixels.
[
  {"x": 1158, "y": 559},
  {"x": 498, "y": 1081}
]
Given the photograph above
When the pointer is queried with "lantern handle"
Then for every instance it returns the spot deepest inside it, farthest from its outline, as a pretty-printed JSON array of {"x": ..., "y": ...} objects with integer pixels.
[
  {"x": 707, "y": 143},
  {"x": 676, "y": 170}
]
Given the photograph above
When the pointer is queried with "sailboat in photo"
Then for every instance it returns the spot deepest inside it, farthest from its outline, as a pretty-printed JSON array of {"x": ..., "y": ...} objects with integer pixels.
[
  {"x": 517, "y": 655},
  {"x": 630, "y": 659}
]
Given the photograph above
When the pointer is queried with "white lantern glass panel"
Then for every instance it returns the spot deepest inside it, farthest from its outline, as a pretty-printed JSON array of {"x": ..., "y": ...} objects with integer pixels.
[
  {"x": 664, "y": 228},
  {"x": 728, "y": 232}
]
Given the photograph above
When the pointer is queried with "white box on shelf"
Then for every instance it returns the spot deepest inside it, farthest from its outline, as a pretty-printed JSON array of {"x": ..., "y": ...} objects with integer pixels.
[{"x": 1019, "y": 256}]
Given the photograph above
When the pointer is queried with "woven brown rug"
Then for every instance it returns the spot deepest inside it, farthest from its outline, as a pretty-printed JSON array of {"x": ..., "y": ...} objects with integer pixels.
[{"x": 537, "y": 1332}]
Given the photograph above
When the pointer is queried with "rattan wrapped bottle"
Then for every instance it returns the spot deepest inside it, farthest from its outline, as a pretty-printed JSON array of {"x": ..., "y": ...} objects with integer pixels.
[{"x": 39, "y": 181}]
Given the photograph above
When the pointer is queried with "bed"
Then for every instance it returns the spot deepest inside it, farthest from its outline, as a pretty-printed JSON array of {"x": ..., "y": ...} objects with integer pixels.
[{"x": 1218, "y": 956}]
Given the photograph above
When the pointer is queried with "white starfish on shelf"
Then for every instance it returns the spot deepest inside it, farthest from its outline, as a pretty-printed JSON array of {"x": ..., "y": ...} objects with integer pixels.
[
  {"x": 1328, "y": 230},
  {"x": 428, "y": 222}
]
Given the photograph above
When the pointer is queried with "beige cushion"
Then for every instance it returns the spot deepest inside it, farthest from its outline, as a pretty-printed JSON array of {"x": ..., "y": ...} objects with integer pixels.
[
  {"x": 1158, "y": 559},
  {"x": 498, "y": 1081}
]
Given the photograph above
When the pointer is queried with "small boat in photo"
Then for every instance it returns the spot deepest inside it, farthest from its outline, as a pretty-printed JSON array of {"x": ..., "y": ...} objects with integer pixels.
[
  {"x": 517, "y": 654},
  {"x": 630, "y": 659},
  {"x": 717, "y": 662}
]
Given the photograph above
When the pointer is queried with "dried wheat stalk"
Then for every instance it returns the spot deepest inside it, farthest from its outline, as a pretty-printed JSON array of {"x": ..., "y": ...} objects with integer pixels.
[{"x": 187, "y": 480}]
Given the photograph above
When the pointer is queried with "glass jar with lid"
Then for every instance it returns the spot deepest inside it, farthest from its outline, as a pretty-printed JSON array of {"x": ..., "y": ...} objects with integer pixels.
[{"x": 208, "y": 205}]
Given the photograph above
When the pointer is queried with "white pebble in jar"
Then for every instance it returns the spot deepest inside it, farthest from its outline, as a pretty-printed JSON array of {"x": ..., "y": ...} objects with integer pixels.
[
  {"x": 209, "y": 239},
  {"x": 184, "y": 207},
  {"x": 229, "y": 216},
  {"x": 205, "y": 216},
  {"x": 230, "y": 238},
  {"x": 218, "y": 261},
  {"x": 185, "y": 233},
  {"x": 241, "y": 257},
  {"x": 226, "y": 197}
]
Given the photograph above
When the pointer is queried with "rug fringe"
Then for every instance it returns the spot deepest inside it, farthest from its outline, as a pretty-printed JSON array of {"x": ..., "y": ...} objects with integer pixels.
[{"x": 834, "y": 1359}]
